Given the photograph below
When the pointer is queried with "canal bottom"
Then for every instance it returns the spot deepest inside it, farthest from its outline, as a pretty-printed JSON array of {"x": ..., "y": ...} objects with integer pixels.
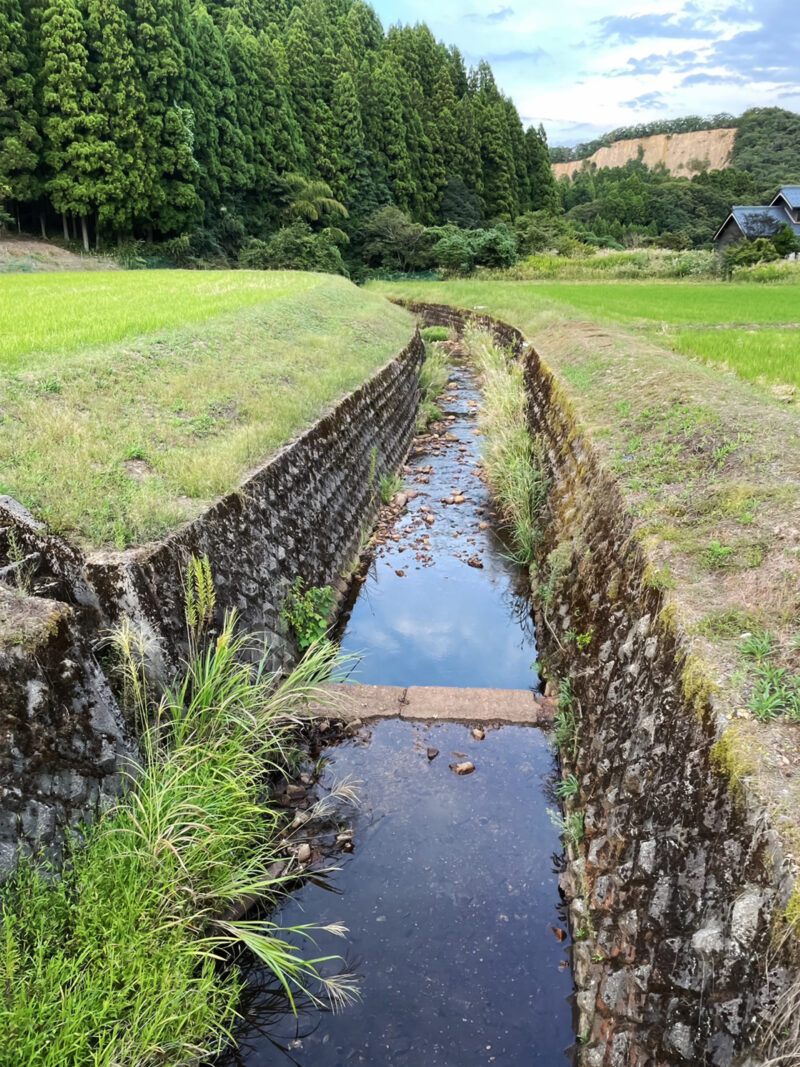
[{"x": 451, "y": 893}]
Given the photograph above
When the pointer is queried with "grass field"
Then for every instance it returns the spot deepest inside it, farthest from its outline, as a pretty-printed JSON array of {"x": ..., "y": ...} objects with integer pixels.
[
  {"x": 50, "y": 316},
  {"x": 756, "y": 355},
  {"x": 128, "y": 401},
  {"x": 664, "y": 307}
]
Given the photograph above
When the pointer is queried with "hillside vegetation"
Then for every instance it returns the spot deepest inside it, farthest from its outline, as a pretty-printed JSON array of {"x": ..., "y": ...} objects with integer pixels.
[
  {"x": 265, "y": 131},
  {"x": 131, "y": 400}
]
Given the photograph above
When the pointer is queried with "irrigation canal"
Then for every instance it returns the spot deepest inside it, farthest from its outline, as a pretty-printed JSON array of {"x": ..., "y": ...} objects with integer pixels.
[{"x": 451, "y": 892}]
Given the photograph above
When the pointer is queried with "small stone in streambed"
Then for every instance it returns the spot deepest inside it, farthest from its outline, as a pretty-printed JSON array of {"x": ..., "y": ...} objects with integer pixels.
[
  {"x": 400, "y": 574},
  {"x": 295, "y": 791},
  {"x": 462, "y": 768},
  {"x": 433, "y": 753},
  {"x": 476, "y": 562},
  {"x": 479, "y": 733},
  {"x": 304, "y": 853}
]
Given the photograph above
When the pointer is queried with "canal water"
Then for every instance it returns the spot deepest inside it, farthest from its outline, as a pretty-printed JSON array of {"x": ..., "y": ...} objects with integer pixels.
[{"x": 451, "y": 891}]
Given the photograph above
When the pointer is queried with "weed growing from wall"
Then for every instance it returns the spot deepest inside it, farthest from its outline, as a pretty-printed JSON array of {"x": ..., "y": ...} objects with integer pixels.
[
  {"x": 390, "y": 485},
  {"x": 308, "y": 611}
]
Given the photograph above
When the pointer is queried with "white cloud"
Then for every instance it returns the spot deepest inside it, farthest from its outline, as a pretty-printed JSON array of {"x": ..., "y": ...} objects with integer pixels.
[{"x": 574, "y": 66}]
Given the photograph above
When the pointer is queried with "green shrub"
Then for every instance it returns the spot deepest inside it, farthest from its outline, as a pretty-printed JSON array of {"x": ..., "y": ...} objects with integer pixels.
[
  {"x": 435, "y": 333},
  {"x": 747, "y": 253},
  {"x": 308, "y": 611}
]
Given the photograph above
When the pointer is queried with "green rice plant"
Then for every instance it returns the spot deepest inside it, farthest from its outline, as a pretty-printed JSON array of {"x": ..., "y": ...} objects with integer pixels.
[
  {"x": 514, "y": 462},
  {"x": 116, "y": 961},
  {"x": 390, "y": 485},
  {"x": 308, "y": 611}
]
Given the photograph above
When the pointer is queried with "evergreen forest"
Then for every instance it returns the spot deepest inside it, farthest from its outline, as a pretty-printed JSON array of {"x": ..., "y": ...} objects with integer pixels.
[{"x": 265, "y": 132}]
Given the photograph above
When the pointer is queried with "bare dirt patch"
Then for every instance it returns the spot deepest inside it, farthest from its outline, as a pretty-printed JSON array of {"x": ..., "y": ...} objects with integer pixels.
[{"x": 27, "y": 256}]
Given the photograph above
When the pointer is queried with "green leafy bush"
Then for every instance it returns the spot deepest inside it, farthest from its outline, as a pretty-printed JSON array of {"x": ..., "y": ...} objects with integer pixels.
[{"x": 308, "y": 611}]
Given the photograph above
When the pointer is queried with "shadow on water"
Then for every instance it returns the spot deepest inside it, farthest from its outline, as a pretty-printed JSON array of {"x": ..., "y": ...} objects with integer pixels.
[{"x": 450, "y": 895}]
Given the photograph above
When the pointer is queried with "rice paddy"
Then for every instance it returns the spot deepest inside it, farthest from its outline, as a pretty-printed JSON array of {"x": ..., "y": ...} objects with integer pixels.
[{"x": 661, "y": 311}]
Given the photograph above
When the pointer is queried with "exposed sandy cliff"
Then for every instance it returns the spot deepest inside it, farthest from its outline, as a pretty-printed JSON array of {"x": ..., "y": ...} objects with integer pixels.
[{"x": 679, "y": 152}]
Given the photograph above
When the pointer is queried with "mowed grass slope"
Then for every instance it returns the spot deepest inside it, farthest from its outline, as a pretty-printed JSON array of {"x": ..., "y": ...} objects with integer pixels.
[
  {"x": 674, "y": 311},
  {"x": 129, "y": 401}
]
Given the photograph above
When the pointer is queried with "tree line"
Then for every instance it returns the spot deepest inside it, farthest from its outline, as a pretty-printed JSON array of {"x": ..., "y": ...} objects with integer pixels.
[{"x": 216, "y": 124}]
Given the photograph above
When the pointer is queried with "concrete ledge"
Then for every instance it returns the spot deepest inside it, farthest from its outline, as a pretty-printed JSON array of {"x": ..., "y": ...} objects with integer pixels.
[{"x": 436, "y": 704}]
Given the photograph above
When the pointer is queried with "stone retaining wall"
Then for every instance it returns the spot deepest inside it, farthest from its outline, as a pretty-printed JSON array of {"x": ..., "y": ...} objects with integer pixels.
[
  {"x": 64, "y": 738},
  {"x": 680, "y": 885}
]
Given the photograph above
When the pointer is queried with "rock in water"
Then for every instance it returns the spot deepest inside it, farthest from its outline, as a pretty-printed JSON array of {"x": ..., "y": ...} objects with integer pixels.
[
  {"x": 479, "y": 733},
  {"x": 304, "y": 853},
  {"x": 462, "y": 768},
  {"x": 433, "y": 753}
]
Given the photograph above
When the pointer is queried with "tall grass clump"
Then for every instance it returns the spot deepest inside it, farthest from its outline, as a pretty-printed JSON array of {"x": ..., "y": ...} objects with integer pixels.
[
  {"x": 433, "y": 376},
  {"x": 116, "y": 962},
  {"x": 513, "y": 461}
]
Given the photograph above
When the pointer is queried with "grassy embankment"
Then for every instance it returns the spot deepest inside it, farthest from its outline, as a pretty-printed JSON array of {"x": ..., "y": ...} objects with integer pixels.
[
  {"x": 709, "y": 465},
  {"x": 130, "y": 400}
]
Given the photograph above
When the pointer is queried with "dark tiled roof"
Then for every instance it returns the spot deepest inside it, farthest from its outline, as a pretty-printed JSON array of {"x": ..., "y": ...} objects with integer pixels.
[{"x": 759, "y": 221}]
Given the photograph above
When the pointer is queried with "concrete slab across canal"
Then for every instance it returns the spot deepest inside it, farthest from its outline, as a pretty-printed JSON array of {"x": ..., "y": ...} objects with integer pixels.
[{"x": 520, "y": 707}]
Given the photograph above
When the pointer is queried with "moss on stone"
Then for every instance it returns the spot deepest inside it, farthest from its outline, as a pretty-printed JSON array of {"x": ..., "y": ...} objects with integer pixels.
[
  {"x": 668, "y": 618},
  {"x": 793, "y": 910},
  {"x": 698, "y": 684},
  {"x": 733, "y": 757}
]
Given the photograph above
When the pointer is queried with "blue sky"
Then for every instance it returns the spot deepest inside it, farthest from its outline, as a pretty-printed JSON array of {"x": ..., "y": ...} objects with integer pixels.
[{"x": 582, "y": 67}]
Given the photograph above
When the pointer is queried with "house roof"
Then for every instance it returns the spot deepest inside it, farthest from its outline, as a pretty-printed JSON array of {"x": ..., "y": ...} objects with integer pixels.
[
  {"x": 759, "y": 221},
  {"x": 791, "y": 194}
]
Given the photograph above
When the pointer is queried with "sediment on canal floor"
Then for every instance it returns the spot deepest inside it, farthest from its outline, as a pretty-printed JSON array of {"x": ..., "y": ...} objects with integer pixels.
[{"x": 680, "y": 886}]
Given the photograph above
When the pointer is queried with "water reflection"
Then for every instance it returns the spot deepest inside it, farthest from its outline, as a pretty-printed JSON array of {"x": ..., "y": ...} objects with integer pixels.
[
  {"x": 427, "y": 615},
  {"x": 451, "y": 904}
]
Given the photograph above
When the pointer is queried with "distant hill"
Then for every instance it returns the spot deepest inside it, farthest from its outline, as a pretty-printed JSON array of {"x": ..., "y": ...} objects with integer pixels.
[
  {"x": 683, "y": 154},
  {"x": 763, "y": 142}
]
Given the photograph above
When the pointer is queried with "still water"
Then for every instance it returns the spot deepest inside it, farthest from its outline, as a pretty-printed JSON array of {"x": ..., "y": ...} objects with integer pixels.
[{"x": 450, "y": 894}]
